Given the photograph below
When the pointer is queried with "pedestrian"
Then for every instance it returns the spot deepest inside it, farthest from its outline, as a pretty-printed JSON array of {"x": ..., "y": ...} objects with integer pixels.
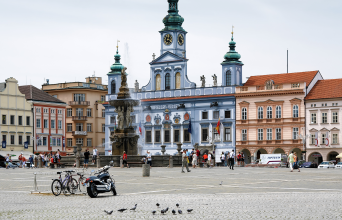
[
  {"x": 242, "y": 159},
  {"x": 209, "y": 159},
  {"x": 228, "y": 159},
  {"x": 57, "y": 156},
  {"x": 223, "y": 158},
  {"x": 24, "y": 161},
  {"x": 7, "y": 160},
  {"x": 94, "y": 155},
  {"x": 239, "y": 158},
  {"x": 296, "y": 161},
  {"x": 185, "y": 162},
  {"x": 149, "y": 158},
  {"x": 86, "y": 159},
  {"x": 205, "y": 159},
  {"x": 232, "y": 160},
  {"x": 20, "y": 158},
  {"x": 124, "y": 160},
  {"x": 31, "y": 161},
  {"x": 198, "y": 156},
  {"x": 43, "y": 158},
  {"x": 290, "y": 159},
  {"x": 194, "y": 160}
]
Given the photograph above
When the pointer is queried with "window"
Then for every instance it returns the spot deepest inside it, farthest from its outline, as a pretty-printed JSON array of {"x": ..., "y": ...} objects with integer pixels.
[
  {"x": 228, "y": 78},
  {"x": 53, "y": 141},
  {"x": 244, "y": 113},
  {"x": 313, "y": 118},
  {"x": 89, "y": 142},
  {"x": 79, "y": 127},
  {"x": 260, "y": 134},
  {"x": 178, "y": 81},
  {"x": 148, "y": 137},
  {"x": 38, "y": 123},
  {"x": 186, "y": 136},
  {"x": 244, "y": 134},
  {"x": 28, "y": 120},
  {"x": 44, "y": 141},
  {"x": 260, "y": 113},
  {"x": 269, "y": 112},
  {"x": 20, "y": 120},
  {"x": 59, "y": 124},
  {"x": 295, "y": 85},
  {"x": 20, "y": 140},
  {"x": 226, "y": 114},
  {"x": 79, "y": 111},
  {"x": 177, "y": 136},
  {"x": 53, "y": 126},
  {"x": 313, "y": 139},
  {"x": 103, "y": 142},
  {"x": 295, "y": 133},
  {"x": 79, "y": 97},
  {"x": 46, "y": 110},
  {"x": 103, "y": 98},
  {"x": 55, "y": 96},
  {"x": 335, "y": 117},
  {"x": 278, "y": 112},
  {"x": 103, "y": 113},
  {"x": 158, "y": 82},
  {"x": 3, "y": 119},
  {"x": 52, "y": 111},
  {"x": 4, "y": 138},
  {"x": 204, "y": 134},
  {"x": 12, "y": 119},
  {"x": 167, "y": 81},
  {"x": 324, "y": 117},
  {"x": 204, "y": 115},
  {"x": 216, "y": 136},
  {"x": 28, "y": 140},
  {"x": 45, "y": 123},
  {"x": 227, "y": 136},
  {"x": 112, "y": 119},
  {"x": 269, "y": 134},
  {"x": 113, "y": 87},
  {"x": 167, "y": 136},
  {"x": 69, "y": 142},
  {"x": 69, "y": 127},
  {"x": 278, "y": 134},
  {"x": 59, "y": 112},
  {"x": 157, "y": 136},
  {"x": 88, "y": 112},
  {"x": 103, "y": 128},
  {"x": 216, "y": 114},
  {"x": 38, "y": 110},
  {"x": 58, "y": 142},
  {"x": 69, "y": 112},
  {"x": 79, "y": 141},
  {"x": 12, "y": 139},
  {"x": 335, "y": 139},
  {"x": 324, "y": 136},
  {"x": 89, "y": 129},
  {"x": 295, "y": 111}
]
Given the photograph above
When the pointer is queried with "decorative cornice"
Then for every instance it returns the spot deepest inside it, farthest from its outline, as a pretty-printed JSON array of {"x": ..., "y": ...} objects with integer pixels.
[{"x": 270, "y": 93}]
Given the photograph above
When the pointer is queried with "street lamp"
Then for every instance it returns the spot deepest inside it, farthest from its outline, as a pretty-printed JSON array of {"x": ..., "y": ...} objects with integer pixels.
[{"x": 304, "y": 137}]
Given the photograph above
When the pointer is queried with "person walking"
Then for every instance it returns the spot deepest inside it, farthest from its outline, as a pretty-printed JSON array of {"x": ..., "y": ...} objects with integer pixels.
[
  {"x": 149, "y": 158},
  {"x": 290, "y": 159},
  {"x": 20, "y": 158},
  {"x": 209, "y": 159},
  {"x": 242, "y": 159},
  {"x": 24, "y": 161},
  {"x": 198, "y": 153},
  {"x": 205, "y": 159},
  {"x": 296, "y": 161},
  {"x": 7, "y": 160},
  {"x": 31, "y": 161},
  {"x": 124, "y": 160},
  {"x": 185, "y": 162},
  {"x": 223, "y": 158},
  {"x": 194, "y": 160},
  {"x": 228, "y": 159},
  {"x": 86, "y": 159},
  {"x": 238, "y": 158},
  {"x": 94, "y": 155},
  {"x": 232, "y": 160}
]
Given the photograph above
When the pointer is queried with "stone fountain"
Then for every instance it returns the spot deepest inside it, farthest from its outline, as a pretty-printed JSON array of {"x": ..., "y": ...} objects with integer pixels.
[{"x": 124, "y": 138}]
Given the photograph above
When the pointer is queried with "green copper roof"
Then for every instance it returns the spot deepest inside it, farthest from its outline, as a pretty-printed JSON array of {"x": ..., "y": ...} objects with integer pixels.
[
  {"x": 117, "y": 67},
  {"x": 232, "y": 56},
  {"x": 173, "y": 21}
]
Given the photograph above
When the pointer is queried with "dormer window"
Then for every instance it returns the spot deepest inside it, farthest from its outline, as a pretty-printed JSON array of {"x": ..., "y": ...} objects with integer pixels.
[
  {"x": 295, "y": 85},
  {"x": 228, "y": 78}
]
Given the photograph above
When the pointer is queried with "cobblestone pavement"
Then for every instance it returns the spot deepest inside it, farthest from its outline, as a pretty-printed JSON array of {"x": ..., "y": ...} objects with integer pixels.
[{"x": 246, "y": 193}]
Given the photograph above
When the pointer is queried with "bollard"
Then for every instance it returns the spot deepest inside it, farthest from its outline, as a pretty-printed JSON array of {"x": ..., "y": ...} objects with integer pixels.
[
  {"x": 146, "y": 170},
  {"x": 39, "y": 161},
  {"x": 35, "y": 161},
  {"x": 35, "y": 182},
  {"x": 121, "y": 162},
  {"x": 98, "y": 162},
  {"x": 171, "y": 162}
]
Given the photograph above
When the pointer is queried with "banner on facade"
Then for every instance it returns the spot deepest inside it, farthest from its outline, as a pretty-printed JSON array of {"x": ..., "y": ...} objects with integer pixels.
[
  {"x": 63, "y": 141},
  {"x": 327, "y": 139},
  {"x": 316, "y": 139},
  {"x": 26, "y": 145},
  {"x": 3, "y": 144}
]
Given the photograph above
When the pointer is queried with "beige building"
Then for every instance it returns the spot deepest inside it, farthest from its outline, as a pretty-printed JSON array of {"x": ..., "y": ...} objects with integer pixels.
[
  {"x": 85, "y": 114},
  {"x": 16, "y": 118}
]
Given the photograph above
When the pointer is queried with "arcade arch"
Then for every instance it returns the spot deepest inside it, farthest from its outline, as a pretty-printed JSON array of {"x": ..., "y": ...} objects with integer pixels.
[
  {"x": 247, "y": 155},
  {"x": 315, "y": 157}
]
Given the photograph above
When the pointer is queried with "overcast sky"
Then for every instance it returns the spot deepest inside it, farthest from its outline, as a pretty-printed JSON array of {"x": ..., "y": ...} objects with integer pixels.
[{"x": 67, "y": 40}]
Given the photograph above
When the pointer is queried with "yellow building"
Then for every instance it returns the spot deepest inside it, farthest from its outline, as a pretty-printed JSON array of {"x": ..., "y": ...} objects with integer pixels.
[
  {"x": 16, "y": 118},
  {"x": 85, "y": 114}
]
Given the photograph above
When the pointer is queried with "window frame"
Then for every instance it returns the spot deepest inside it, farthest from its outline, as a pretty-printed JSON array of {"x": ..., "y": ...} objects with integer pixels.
[
  {"x": 53, "y": 124},
  {"x": 20, "y": 120},
  {"x": 89, "y": 140},
  {"x": 103, "y": 128},
  {"x": 12, "y": 139},
  {"x": 202, "y": 133},
  {"x": 185, "y": 133},
  {"x": 244, "y": 134},
  {"x": 244, "y": 113},
  {"x": 69, "y": 142},
  {"x": 278, "y": 134},
  {"x": 260, "y": 112},
  {"x": 28, "y": 120},
  {"x": 313, "y": 118},
  {"x": 89, "y": 112},
  {"x": 334, "y": 117},
  {"x": 69, "y": 125},
  {"x": 229, "y": 113},
  {"x": 148, "y": 136},
  {"x": 334, "y": 138},
  {"x": 227, "y": 133},
  {"x": 46, "y": 122},
  {"x": 228, "y": 78},
  {"x": 69, "y": 112},
  {"x": 89, "y": 125},
  {"x": 167, "y": 81},
  {"x": 169, "y": 135},
  {"x": 324, "y": 117},
  {"x": 269, "y": 112},
  {"x": 38, "y": 125},
  {"x": 205, "y": 112},
  {"x": 175, "y": 131},
  {"x": 269, "y": 134},
  {"x": 295, "y": 133},
  {"x": 260, "y": 134},
  {"x": 216, "y": 114},
  {"x": 278, "y": 111},
  {"x": 295, "y": 111},
  {"x": 12, "y": 119},
  {"x": 155, "y": 136}
]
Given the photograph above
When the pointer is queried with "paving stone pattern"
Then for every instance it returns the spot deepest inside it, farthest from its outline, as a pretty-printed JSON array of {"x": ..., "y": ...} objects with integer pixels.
[{"x": 246, "y": 193}]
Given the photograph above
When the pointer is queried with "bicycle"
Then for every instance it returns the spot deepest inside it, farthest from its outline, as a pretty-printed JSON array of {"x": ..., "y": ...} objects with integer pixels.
[
  {"x": 76, "y": 184},
  {"x": 66, "y": 185}
]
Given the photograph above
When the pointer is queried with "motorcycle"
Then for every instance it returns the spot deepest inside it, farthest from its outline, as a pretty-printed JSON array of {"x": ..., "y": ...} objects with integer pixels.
[{"x": 101, "y": 183}]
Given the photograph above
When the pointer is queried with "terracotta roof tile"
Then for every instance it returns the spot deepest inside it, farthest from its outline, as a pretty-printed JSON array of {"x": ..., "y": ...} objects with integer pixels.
[
  {"x": 282, "y": 78},
  {"x": 326, "y": 89},
  {"x": 35, "y": 94}
]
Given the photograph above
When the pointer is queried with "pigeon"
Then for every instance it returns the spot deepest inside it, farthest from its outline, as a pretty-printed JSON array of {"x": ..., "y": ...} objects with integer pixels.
[
  {"x": 167, "y": 209},
  {"x": 122, "y": 210},
  {"x": 134, "y": 208},
  {"x": 189, "y": 210},
  {"x": 162, "y": 211},
  {"x": 108, "y": 212},
  {"x": 153, "y": 212},
  {"x": 173, "y": 211},
  {"x": 158, "y": 205},
  {"x": 221, "y": 182},
  {"x": 179, "y": 211},
  {"x": 177, "y": 205}
]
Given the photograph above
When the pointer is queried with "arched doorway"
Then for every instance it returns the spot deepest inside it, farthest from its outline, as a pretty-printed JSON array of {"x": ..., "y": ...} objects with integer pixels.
[
  {"x": 299, "y": 153},
  {"x": 316, "y": 157},
  {"x": 258, "y": 152},
  {"x": 279, "y": 151},
  {"x": 247, "y": 155},
  {"x": 332, "y": 156}
]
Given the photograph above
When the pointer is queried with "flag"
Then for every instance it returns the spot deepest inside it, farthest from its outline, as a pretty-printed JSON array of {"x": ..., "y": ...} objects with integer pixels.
[
  {"x": 189, "y": 128},
  {"x": 26, "y": 145},
  {"x": 327, "y": 139},
  {"x": 140, "y": 128},
  {"x": 3, "y": 144},
  {"x": 218, "y": 126},
  {"x": 316, "y": 139}
]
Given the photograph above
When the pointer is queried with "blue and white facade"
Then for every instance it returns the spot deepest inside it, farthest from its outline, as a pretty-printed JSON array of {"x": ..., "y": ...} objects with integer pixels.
[{"x": 170, "y": 100}]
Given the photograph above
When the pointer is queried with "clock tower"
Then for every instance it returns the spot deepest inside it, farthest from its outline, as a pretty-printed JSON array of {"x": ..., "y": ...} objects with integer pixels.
[{"x": 173, "y": 36}]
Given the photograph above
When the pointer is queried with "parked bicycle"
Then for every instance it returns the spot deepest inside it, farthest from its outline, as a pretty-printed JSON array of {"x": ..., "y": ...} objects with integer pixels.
[
  {"x": 67, "y": 186},
  {"x": 76, "y": 184}
]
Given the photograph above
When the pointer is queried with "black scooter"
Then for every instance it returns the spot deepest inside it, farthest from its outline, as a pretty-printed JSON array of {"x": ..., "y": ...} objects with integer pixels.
[{"x": 101, "y": 183}]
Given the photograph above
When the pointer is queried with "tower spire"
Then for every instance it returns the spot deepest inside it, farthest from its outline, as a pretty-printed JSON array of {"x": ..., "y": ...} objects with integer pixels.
[
  {"x": 117, "y": 67},
  {"x": 232, "y": 56},
  {"x": 173, "y": 21}
]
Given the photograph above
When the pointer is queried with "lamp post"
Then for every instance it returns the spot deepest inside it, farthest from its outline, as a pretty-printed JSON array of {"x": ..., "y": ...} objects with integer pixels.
[{"x": 304, "y": 137}]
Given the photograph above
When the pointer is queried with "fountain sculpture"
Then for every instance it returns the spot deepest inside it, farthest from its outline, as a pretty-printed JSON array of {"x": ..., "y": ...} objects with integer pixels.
[{"x": 124, "y": 138}]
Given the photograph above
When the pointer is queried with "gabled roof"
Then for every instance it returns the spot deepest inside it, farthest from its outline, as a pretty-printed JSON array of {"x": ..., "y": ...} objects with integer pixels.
[
  {"x": 282, "y": 78},
  {"x": 168, "y": 57},
  {"x": 326, "y": 89},
  {"x": 35, "y": 94}
]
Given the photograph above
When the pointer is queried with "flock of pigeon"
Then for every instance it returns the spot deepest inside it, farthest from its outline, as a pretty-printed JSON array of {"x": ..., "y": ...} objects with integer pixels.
[{"x": 163, "y": 211}]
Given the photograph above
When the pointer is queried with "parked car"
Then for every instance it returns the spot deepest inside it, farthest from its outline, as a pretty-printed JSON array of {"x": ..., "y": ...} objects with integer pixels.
[
  {"x": 338, "y": 165},
  {"x": 309, "y": 165},
  {"x": 326, "y": 164}
]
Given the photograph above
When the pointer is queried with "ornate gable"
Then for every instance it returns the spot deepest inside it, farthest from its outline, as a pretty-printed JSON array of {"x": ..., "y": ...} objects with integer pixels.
[{"x": 168, "y": 57}]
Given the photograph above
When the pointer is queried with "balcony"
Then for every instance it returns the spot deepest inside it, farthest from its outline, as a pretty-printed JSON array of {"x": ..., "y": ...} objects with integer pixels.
[
  {"x": 79, "y": 103},
  {"x": 79, "y": 133},
  {"x": 79, "y": 118}
]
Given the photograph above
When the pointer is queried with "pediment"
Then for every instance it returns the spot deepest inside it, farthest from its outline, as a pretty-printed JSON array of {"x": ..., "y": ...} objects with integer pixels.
[
  {"x": 335, "y": 129},
  {"x": 168, "y": 57},
  {"x": 270, "y": 101},
  {"x": 295, "y": 100},
  {"x": 313, "y": 130},
  {"x": 324, "y": 129},
  {"x": 244, "y": 103}
]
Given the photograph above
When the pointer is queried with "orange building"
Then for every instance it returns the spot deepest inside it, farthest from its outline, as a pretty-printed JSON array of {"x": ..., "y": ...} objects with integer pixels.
[
  {"x": 85, "y": 114},
  {"x": 270, "y": 113}
]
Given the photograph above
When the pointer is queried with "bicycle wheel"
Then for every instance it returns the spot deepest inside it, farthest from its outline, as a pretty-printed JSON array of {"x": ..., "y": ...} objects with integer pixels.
[
  {"x": 81, "y": 183},
  {"x": 56, "y": 187},
  {"x": 73, "y": 185}
]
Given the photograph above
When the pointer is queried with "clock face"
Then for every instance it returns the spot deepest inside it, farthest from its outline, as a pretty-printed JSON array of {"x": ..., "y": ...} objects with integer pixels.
[
  {"x": 168, "y": 39},
  {"x": 180, "y": 39}
]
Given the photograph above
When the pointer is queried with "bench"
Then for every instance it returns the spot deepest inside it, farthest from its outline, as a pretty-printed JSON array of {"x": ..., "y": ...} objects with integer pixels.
[
  {"x": 139, "y": 162},
  {"x": 52, "y": 165}
]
